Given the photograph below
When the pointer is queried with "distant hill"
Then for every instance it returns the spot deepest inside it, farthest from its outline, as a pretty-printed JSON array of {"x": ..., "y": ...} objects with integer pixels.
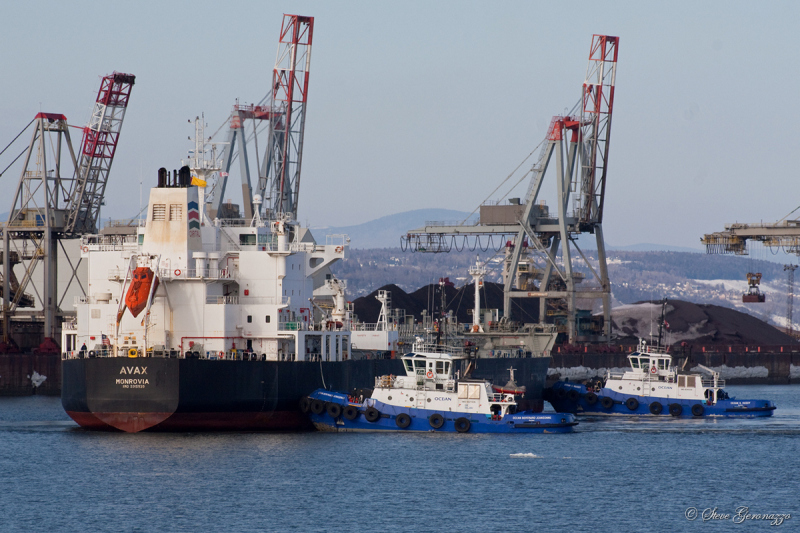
[{"x": 385, "y": 232}]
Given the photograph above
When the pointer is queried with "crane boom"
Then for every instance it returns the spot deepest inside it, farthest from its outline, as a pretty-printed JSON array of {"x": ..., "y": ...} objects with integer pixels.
[
  {"x": 97, "y": 151},
  {"x": 289, "y": 97}
]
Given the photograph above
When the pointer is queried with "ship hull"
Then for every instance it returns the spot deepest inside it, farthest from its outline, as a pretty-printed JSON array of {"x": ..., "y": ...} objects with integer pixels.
[{"x": 177, "y": 394}]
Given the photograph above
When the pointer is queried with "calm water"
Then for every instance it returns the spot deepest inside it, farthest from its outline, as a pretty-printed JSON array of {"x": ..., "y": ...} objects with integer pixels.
[{"x": 618, "y": 474}]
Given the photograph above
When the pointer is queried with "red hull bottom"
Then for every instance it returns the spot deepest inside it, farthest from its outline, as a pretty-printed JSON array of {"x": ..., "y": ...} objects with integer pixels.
[{"x": 135, "y": 422}]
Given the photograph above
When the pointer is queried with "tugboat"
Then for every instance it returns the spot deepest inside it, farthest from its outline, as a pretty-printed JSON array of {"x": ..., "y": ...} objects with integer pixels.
[
  {"x": 429, "y": 398},
  {"x": 653, "y": 386}
]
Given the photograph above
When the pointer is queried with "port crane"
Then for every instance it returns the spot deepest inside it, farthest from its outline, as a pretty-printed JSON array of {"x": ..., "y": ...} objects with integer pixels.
[
  {"x": 579, "y": 143},
  {"x": 278, "y": 181},
  {"x": 50, "y": 204}
]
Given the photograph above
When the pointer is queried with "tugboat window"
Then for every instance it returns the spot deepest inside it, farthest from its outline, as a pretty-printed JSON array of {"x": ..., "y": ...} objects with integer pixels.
[
  {"x": 267, "y": 317},
  {"x": 440, "y": 367},
  {"x": 635, "y": 362},
  {"x": 249, "y": 319},
  {"x": 661, "y": 364},
  {"x": 407, "y": 363}
]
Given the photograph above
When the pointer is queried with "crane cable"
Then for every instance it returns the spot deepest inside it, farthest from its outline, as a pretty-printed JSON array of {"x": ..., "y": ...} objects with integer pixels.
[{"x": 12, "y": 142}]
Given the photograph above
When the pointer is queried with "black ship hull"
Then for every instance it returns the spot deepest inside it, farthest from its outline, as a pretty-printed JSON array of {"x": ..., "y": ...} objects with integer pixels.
[{"x": 164, "y": 394}]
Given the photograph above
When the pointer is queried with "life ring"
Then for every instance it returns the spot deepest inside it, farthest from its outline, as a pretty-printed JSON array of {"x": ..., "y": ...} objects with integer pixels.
[
  {"x": 84, "y": 249},
  {"x": 132, "y": 352},
  {"x": 654, "y": 370},
  {"x": 177, "y": 272},
  {"x": 222, "y": 355},
  {"x": 436, "y": 421},
  {"x": 402, "y": 420},
  {"x": 339, "y": 249},
  {"x": 429, "y": 375}
]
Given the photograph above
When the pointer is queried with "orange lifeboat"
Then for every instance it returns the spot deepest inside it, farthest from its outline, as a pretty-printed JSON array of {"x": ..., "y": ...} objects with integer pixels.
[{"x": 136, "y": 299}]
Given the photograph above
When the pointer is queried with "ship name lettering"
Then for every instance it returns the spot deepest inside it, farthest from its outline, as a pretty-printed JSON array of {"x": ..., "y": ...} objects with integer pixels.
[
  {"x": 440, "y": 399},
  {"x": 133, "y": 370}
]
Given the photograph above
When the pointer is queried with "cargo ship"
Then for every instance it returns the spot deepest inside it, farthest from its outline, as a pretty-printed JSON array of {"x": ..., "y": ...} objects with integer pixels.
[{"x": 193, "y": 323}]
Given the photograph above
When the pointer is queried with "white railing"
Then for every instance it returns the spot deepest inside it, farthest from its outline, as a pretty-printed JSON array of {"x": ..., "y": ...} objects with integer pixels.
[
  {"x": 226, "y": 300},
  {"x": 194, "y": 273},
  {"x": 265, "y": 300}
]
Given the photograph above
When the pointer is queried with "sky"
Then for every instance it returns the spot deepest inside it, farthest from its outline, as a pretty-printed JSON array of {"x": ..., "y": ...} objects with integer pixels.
[{"x": 432, "y": 104}]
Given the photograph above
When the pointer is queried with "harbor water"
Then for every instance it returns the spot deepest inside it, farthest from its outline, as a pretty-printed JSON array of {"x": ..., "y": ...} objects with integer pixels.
[{"x": 611, "y": 474}]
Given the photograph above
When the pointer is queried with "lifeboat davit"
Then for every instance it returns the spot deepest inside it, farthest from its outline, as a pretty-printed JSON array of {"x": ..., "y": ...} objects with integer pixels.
[{"x": 136, "y": 299}]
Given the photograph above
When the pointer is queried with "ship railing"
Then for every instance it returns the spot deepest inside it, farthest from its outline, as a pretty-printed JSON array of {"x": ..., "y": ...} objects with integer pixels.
[
  {"x": 265, "y": 300},
  {"x": 360, "y": 326},
  {"x": 497, "y": 397},
  {"x": 438, "y": 348},
  {"x": 84, "y": 354},
  {"x": 614, "y": 375},
  {"x": 299, "y": 325},
  {"x": 709, "y": 383},
  {"x": 222, "y": 300},
  {"x": 195, "y": 273},
  {"x": 106, "y": 243}
]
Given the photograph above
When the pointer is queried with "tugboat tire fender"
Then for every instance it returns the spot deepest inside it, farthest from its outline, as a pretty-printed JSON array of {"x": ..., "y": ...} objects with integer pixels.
[
  {"x": 656, "y": 408},
  {"x": 632, "y": 404},
  {"x": 334, "y": 410},
  {"x": 436, "y": 421},
  {"x": 698, "y": 410},
  {"x": 675, "y": 409},
  {"x": 372, "y": 414},
  {"x": 305, "y": 404},
  {"x": 573, "y": 395},
  {"x": 606, "y": 402},
  {"x": 591, "y": 398},
  {"x": 317, "y": 406},
  {"x": 561, "y": 394},
  {"x": 463, "y": 424},
  {"x": 402, "y": 420},
  {"x": 350, "y": 412}
]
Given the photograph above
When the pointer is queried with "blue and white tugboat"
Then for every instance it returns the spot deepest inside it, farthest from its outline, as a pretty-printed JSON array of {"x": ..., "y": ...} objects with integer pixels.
[
  {"x": 653, "y": 386},
  {"x": 430, "y": 398}
]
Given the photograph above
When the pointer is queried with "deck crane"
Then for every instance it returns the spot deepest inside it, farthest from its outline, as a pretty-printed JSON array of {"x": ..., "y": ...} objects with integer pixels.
[
  {"x": 279, "y": 173},
  {"x": 50, "y": 205},
  {"x": 584, "y": 139}
]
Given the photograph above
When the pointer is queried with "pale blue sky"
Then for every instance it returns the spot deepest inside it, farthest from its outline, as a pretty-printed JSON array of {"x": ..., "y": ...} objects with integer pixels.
[{"x": 432, "y": 104}]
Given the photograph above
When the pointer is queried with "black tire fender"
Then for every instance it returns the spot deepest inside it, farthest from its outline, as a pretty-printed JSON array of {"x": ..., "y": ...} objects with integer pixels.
[
  {"x": 350, "y": 412},
  {"x": 698, "y": 409},
  {"x": 462, "y": 424},
  {"x": 334, "y": 410},
  {"x": 372, "y": 414},
  {"x": 656, "y": 408},
  {"x": 676, "y": 409},
  {"x": 606, "y": 402},
  {"x": 402, "y": 420},
  {"x": 591, "y": 398},
  {"x": 573, "y": 395},
  {"x": 436, "y": 421},
  {"x": 305, "y": 404},
  {"x": 560, "y": 394},
  {"x": 317, "y": 406},
  {"x": 632, "y": 404}
]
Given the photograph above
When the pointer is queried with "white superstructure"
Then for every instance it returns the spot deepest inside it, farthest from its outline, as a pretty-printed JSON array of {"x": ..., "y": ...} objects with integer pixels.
[
  {"x": 225, "y": 286},
  {"x": 430, "y": 383},
  {"x": 652, "y": 374}
]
